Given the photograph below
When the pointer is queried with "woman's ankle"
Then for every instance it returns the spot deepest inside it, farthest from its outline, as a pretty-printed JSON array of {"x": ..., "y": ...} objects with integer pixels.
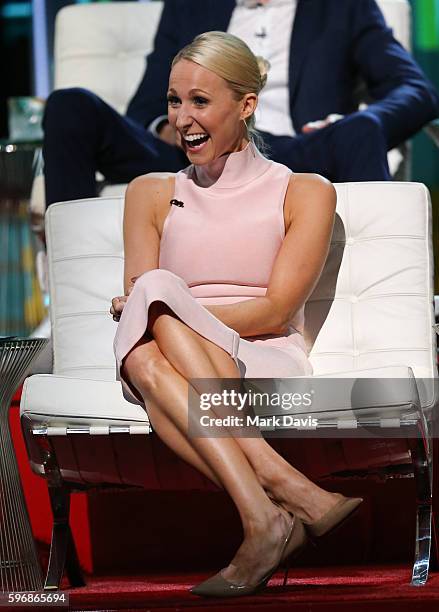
[
  {"x": 265, "y": 519},
  {"x": 291, "y": 488}
]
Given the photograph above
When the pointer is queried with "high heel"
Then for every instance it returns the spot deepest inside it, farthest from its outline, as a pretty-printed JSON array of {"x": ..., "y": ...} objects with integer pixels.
[
  {"x": 218, "y": 586},
  {"x": 343, "y": 509},
  {"x": 298, "y": 542}
]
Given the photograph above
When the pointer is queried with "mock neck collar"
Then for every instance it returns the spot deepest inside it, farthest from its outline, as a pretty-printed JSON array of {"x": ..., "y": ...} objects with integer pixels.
[{"x": 241, "y": 167}]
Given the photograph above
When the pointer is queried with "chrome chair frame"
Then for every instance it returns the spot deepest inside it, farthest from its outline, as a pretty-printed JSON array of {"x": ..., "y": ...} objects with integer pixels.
[
  {"x": 422, "y": 430},
  {"x": 63, "y": 552}
]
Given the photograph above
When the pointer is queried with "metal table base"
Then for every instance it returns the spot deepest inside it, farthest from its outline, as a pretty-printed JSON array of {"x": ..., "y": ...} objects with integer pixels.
[{"x": 19, "y": 564}]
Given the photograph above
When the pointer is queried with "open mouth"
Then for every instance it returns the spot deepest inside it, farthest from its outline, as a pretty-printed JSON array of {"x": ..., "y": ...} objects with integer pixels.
[{"x": 195, "y": 142}]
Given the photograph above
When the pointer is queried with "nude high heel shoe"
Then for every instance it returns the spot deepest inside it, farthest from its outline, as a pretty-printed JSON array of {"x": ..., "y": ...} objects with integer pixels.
[
  {"x": 297, "y": 544},
  {"x": 218, "y": 586},
  {"x": 342, "y": 510}
]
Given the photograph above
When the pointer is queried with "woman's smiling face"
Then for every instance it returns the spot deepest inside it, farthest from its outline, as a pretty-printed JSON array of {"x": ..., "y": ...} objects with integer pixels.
[{"x": 204, "y": 112}]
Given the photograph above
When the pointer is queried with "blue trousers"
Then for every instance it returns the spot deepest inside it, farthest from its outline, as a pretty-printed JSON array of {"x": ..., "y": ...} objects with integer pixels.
[{"x": 83, "y": 134}]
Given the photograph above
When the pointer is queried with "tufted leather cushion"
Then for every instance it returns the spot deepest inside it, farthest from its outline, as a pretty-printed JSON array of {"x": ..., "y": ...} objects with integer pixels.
[
  {"x": 102, "y": 47},
  {"x": 377, "y": 311}
]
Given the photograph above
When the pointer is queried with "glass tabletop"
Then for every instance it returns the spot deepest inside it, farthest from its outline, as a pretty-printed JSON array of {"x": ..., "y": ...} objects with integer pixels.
[
  {"x": 5, "y": 339},
  {"x": 8, "y": 145},
  {"x": 19, "y": 164}
]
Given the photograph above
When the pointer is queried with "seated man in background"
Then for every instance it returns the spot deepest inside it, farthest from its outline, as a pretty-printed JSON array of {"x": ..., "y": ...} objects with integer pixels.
[{"x": 319, "y": 50}]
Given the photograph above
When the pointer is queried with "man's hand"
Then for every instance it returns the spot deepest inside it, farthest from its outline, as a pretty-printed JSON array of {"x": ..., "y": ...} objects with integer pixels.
[
  {"x": 167, "y": 134},
  {"x": 118, "y": 302},
  {"x": 312, "y": 126}
]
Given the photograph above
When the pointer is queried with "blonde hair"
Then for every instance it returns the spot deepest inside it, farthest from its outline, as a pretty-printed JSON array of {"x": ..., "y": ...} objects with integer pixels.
[{"x": 230, "y": 58}]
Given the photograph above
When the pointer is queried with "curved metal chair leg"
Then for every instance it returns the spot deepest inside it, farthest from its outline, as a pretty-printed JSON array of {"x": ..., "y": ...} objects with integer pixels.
[
  {"x": 434, "y": 561},
  {"x": 422, "y": 465},
  {"x": 62, "y": 547}
]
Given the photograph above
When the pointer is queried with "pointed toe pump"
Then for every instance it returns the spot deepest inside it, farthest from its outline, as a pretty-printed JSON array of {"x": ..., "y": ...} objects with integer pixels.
[
  {"x": 218, "y": 586},
  {"x": 334, "y": 518}
]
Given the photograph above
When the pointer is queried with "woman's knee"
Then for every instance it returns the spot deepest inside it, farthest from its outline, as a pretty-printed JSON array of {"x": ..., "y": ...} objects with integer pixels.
[
  {"x": 146, "y": 367},
  {"x": 162, "y": 286}
]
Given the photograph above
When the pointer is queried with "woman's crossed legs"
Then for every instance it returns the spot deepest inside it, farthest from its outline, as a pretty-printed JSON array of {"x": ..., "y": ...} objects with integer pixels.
[{"x": 160, "y": 367}]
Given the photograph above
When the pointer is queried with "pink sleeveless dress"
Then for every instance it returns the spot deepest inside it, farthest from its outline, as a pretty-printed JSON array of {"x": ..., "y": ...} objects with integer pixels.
[{"x": 219, "y": 248}]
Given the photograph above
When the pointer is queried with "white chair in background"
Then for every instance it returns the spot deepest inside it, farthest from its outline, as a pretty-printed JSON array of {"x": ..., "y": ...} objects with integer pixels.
[
  {"x": 102, "y": 47},
  {"x": 371, "y": 315}
]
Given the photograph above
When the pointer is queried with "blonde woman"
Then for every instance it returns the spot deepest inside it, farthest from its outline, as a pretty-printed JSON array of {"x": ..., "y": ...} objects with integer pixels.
[{"x": 219, "y": 261}]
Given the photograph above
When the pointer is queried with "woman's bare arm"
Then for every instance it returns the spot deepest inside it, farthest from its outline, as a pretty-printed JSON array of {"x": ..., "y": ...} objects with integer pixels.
[
  {"x": 309, "y": 214},
  {"x": 143, "y": 218}
]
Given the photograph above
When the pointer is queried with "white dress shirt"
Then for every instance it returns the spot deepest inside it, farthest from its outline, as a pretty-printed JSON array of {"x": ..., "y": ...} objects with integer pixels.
[{"x": 267, "y": 31}]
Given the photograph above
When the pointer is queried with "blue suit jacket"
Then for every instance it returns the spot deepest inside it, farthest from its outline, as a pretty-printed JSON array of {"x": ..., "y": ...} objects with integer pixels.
[{"x": 335, "y": 45}]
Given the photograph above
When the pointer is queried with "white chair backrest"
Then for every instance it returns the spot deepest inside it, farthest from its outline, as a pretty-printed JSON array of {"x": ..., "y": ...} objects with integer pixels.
[
  {"x": 102, "y": 47},
  {"x": 85, "y": 263},
  {"x": 372, "y": 307}
]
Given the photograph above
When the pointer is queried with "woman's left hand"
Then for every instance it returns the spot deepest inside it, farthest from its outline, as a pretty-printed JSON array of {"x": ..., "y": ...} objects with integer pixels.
[{"x": 118, "y": 302}]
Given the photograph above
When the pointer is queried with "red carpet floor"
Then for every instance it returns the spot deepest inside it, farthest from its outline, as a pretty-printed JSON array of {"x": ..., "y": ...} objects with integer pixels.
[
  {"x": 138, "y": 531},
  {"x": 359, "y": 589}
]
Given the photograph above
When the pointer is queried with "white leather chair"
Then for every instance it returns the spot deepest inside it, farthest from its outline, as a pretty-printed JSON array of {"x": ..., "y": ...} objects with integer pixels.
[
  {"x": 102, "y": 47},
  {"x": 371, "y": 315}
]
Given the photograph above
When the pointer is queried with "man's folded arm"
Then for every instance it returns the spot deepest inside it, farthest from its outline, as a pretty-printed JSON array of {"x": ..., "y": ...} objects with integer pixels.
[{"x": 403, "y": 99}]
